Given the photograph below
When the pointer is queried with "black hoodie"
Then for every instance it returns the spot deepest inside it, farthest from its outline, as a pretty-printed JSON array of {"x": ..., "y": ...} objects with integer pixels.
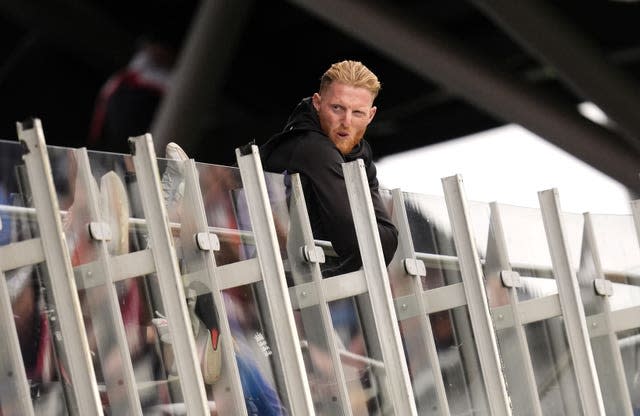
[{"x": 302, "y": 147}]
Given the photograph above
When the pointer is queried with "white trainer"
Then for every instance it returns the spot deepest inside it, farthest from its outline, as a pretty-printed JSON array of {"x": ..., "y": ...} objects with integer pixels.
[
  {"x": 173, "y": 177},
  {"x": 207, "y": 345}
]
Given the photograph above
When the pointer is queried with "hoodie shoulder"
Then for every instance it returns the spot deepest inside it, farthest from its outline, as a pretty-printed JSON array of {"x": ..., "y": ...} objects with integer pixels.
[
  {"x": 361, "y": 151},
  {"x": 303, "y": 117},
  {"x": 314, "y": 148}
]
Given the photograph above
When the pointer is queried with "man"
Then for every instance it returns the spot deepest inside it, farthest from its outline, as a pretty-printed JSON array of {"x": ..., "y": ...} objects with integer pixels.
[{"x": 323, "y": 132}]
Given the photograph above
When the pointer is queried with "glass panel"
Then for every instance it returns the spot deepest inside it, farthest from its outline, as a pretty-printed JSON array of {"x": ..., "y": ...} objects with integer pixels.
[
  {"x": 227, "y": 215},
  {"x": 457, "y": 355},
  {"x": 429, "y": 213},
  {"x": 314, "y": 322},
  {"x": 350, "y": 324},
  {"x": 414, "y": 332},
  {"x": 619, "y": 253},
  {"x": 432, "y": 239},
  {"x": 480, "y": 215},
  {"x": 138, "y": 296},
  {"x": 528, "y": 248},
  {"x": 528, "y": 254},
  {"x": 351, "y": 330},
  {"x": 40, "y": 354},
  {"x": 459, "y": 362},
  {"x": 359, "y": 334},
  {"x": 246, "y": 306},
  {"x": 93, "y": 293}
]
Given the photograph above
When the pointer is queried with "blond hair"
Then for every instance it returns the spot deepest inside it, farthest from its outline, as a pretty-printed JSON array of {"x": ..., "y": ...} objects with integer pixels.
[{"x": 351, "y": 73}]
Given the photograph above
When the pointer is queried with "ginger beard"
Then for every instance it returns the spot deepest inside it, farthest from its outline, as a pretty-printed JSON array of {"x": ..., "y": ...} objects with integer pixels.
[
  {"x": 344, "y": 112},
  {"x": 346, "y": 140}
]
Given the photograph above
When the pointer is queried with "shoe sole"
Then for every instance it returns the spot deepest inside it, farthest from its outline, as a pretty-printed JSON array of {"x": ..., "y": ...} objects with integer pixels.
[{"x": 115, "y": 211}]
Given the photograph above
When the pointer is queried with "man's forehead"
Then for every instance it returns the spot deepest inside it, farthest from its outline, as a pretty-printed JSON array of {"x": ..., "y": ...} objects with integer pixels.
[{"x": 339, "y": 91}]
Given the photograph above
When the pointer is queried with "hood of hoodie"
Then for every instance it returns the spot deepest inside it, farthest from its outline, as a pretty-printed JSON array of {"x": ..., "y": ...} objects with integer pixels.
[{"x": 303, "y": 119}]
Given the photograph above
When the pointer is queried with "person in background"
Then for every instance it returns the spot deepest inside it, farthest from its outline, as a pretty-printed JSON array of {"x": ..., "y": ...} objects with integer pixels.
[{"x": 128, "y": 101}]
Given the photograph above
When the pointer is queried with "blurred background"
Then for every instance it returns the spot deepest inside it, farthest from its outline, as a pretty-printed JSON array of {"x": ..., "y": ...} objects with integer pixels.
[{"x": 215, "y": 74}]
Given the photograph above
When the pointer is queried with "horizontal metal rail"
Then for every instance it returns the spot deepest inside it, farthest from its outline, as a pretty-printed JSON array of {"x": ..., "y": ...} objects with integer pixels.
[
  {"x": 441, "y": 261},
  {"x": 222, "y": 231},
  {"x": 430, "y": 259}
]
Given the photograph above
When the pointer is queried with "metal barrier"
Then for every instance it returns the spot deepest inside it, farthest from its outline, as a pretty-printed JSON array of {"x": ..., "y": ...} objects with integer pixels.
[{"x": 114, "y": 266}]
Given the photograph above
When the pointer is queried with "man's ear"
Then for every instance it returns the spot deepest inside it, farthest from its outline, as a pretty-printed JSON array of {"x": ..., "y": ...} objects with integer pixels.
[
  {"x": 316, "y": 101},
  {"x": 372, "y": 113}
]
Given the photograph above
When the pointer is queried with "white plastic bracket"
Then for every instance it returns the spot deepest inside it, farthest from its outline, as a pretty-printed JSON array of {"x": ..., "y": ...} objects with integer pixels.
[
  {"x": 207, "y": 241},
  {"x": 414, "y": 267},
  {"x": 313, "y": 254},
  {"x": 603, "y": 287},
  {"x": 510, "y": 278},
  {"x": 100, "y": 231}
]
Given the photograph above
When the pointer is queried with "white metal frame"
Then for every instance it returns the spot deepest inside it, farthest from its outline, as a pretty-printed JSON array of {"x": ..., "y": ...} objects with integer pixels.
[
  {"x": 523, "y": 389},
  {"x": 616, "y": 398},
  {"x": 316, "y": 314},
  {"x": 375, "y": 271},
  {"x": 169, "y": 277},
  {"x": 416, "y": 302},
  {"x": 473, "y": 278},
  {"x": 199, "y": 259},
  {"x": 286, "y": 343},
  {"x": 66, "y": 321},
  {"x": 571, "y": 305},
  {"x": 15, "y": 395},
  {"x": 120, "y": 380},
  {"x": 310, "y": 295}
]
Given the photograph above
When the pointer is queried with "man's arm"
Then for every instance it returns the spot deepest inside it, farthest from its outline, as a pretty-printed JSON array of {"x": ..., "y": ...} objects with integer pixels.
[
  {"x": 388, "y": 231},
  {"x": 321, "y": 163}
]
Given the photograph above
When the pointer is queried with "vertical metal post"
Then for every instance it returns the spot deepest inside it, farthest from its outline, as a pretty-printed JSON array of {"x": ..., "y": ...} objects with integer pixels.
[
  {"x": 414, "y": 285},
  {"x": 615, "y": 392},
  {"x": 119, "y": 378},
  {"x": 522, "y": 383},
  {"x": 382, "y": 306},
  {"x": 169, "y": 278},
  {"x": 474, "y": 289},
  {"x": 277, "y": 295},
  {"x": 199, "y": 75},
  {"x": 68, "y": 326},
  {"x": 572, "y": 309},
  {"x": 15, "y": 397},
  {"x": 301, "y": 236},
  {"x": 228, "y": 390}
]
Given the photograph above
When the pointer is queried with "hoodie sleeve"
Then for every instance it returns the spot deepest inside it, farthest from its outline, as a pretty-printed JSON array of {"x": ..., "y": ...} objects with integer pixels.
[{"x": 320, "y": 162}]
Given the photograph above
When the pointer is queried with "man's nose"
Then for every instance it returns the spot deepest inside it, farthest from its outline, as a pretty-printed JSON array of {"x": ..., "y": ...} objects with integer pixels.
[{"x": 347, "y": 118}]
